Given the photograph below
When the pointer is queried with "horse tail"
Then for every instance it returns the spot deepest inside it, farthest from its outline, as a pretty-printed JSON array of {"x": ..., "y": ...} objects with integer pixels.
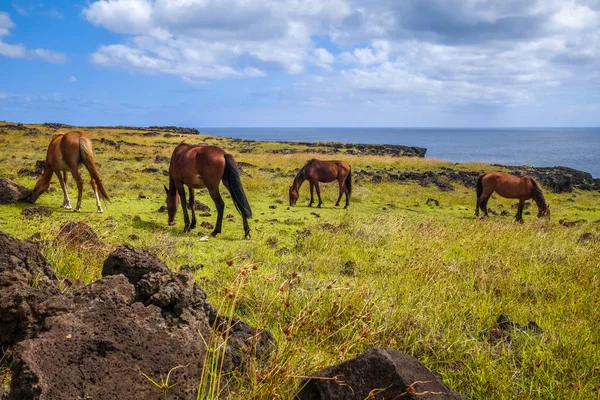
[
  {"x": 480, "y": 186},
  {"x": 231, "y": 180},
  {"x": 349, "y": 182},
  {"x": 87, "y": 156}
]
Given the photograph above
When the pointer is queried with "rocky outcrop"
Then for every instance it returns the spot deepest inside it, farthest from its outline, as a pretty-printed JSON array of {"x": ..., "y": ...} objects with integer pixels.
[
  {"x": 378, "y": 373},
  {"x": 11, "y": 192},
  {"x": 36, "y": 171},
  {"x": 556, "y": 179},
  {"x": 98, "y": 341},
  {"x": 394, "y": 150}
]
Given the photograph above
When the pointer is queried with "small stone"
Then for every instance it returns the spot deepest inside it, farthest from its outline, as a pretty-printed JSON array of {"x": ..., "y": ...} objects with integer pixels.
[{"x": 206, "y": 225}]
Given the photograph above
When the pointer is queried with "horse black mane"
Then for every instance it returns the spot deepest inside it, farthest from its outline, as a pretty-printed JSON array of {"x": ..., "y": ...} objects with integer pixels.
[
  {"x": 538, "y": 196},
  {"x": 300, "y": 174}
]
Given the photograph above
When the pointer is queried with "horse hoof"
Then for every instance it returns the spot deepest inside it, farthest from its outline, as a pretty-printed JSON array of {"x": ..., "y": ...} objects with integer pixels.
[
  {"x": 171, "y": 223},
  {"x": 192, "y": 226},
  {"x": 77, "y": 210},
  {"x": 214, "y": 233},
  {"x": 100, "y": 211},
  {"x": 247, "y": 236}
]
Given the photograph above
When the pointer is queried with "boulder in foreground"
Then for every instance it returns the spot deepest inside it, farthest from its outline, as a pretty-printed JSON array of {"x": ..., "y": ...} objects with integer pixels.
[
  {"x": 379, "y": 373},
  {"x": 96, "y": 341}
]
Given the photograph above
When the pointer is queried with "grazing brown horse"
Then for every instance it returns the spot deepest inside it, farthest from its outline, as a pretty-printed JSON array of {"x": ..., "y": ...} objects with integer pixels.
[
  {"x": 67, "y": 153},
  {"x": 511, "y": 187},
  {"x": 204, "y": 166},
  {"x": 316, "y": 171}
]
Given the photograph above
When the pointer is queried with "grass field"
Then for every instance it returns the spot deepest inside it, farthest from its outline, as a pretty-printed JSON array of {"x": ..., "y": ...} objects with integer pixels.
[{"x": 389, "y": 271}]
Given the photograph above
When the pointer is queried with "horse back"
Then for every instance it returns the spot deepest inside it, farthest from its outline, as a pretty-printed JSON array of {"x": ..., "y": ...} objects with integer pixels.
[
  {"x": 197, "y": 165},
  {"x": 327, "y": 171}
]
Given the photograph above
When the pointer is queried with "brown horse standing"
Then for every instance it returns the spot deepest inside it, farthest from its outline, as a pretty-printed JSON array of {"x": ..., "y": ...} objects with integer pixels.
[
  {"x": 316, "y": 171},
  {"x": 511, "y": 187},
  {"x": 204, "y": 166},
  {"x": 67, "y": 153}
]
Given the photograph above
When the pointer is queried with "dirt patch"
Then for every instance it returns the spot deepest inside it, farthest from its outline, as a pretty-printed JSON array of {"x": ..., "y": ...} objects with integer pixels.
[
  {"x": 78, "y": 234},
  {"x": 36, "y": 211}
]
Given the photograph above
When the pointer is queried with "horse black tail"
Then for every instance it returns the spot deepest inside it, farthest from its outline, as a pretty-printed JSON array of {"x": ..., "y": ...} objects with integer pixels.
[
  {"x": 349, "y": 183},
  {"x": 231, "y": 179},
  {"x": 480, "y": 186}
]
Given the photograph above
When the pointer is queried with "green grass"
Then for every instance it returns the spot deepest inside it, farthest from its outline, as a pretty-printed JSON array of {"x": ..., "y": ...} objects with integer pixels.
[{"x": 389, "y": 271}]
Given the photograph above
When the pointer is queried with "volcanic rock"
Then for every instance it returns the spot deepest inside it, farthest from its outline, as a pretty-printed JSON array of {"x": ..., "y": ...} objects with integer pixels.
[
  {"x": 379, "y": 373},
  {"x": 11, "y": 192}
]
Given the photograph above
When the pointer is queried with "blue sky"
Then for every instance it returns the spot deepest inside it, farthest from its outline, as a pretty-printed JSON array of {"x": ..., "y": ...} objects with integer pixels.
[{"x": 459, "y": 63}]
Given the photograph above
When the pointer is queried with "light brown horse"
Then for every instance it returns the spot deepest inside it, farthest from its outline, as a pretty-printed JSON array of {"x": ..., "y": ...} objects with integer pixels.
[
  {"x": 316, "y": 171},
  {"x": 67, "y": 153},
  {"x": 204, "y": 166},
  {"x": 511, "y": 187}
]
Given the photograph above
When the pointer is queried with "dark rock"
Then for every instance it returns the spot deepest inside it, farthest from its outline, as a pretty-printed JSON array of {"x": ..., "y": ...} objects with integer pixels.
[
  {"x": 378, "y": 373},
  {"x": 151, "y": 134},
  {"x": 272, "y": 207},
  {"x": 571, "y": 200},
  {"x": 11, "y": 192},
  {"x": 433, "y": 201},
  {"x": 204, "y": 214},
  {"x": 36, "y": 171},
  {"x": 505, "y": 328},
  {"x": 199, "y": 206},
  {"x": 206, "y": 225},
  {"x": 108, "y": 142},
  {"x": 492, "y": 211},
  {"x": 36, "y": 211},
  {"x": 444, "y": 186},
  {"x": 526, "y": 205},
  {"x": 21, "y": 266},
  {"x": 589, "y": 237},
  {"x": 139, "y": 317},
  {"x": 133, "y": 236},
  {"x": 138, "y": 158},
  {"x": 504, "y": 213},
  {"x": 315, "y": 214},
  {"x": 151, "y": 170},
  {"x": 162, "y": 209},
  {"x": 229, "y": 216},
  {"x": 349, "y": 268},
  {"x": 132, "y": 263},
  {"x": 570, "y": 224},
  {"x": 162, "y": 159},
  {"x": 142, "y": 196},
  {"x": 78, "y": 234}
]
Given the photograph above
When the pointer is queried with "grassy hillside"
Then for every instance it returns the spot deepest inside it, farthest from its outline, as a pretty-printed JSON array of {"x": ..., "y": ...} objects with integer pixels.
[{"x": 389, "y": 271}]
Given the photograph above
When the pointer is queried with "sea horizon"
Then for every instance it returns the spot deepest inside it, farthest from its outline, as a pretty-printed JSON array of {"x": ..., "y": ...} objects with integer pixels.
[{"x": 574, "y": 147}]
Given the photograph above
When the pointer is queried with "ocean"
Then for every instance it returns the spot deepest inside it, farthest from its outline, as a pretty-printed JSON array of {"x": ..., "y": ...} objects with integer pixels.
[{"x": 577, "y": 148}]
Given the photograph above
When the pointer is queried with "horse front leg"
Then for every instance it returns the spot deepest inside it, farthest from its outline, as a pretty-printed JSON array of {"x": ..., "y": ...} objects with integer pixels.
[
  {"x": 312, "y": 195},
  {"x": 191, "y": 203},
  {"x": 184, "y": 206},
  {"x": 519, "y": 216}
]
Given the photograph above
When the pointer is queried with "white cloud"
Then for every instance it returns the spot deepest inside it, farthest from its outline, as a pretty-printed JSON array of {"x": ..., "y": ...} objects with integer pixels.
[
  {"x": 437, "y": 52},
  {"x": 215, "y": 38},
  {"x": 20, "y": 51},
  {"x": 72, "y": 79}
]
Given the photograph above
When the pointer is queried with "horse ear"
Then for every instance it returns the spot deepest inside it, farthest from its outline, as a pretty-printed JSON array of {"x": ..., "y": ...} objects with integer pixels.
[{"x": 166, "y": 190}]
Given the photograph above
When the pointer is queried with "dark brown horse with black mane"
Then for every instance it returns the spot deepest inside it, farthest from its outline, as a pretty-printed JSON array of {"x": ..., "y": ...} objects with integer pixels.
[
  {"x": 67, "y": 153},
  {"x": 204, "y": 166},
  {"x": 511, "y": 187},
  {"x": 316, "y": 171}
]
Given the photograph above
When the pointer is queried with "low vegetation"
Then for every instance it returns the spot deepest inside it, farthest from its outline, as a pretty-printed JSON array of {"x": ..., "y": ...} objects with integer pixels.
[{"x": 390, "y": 271}]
